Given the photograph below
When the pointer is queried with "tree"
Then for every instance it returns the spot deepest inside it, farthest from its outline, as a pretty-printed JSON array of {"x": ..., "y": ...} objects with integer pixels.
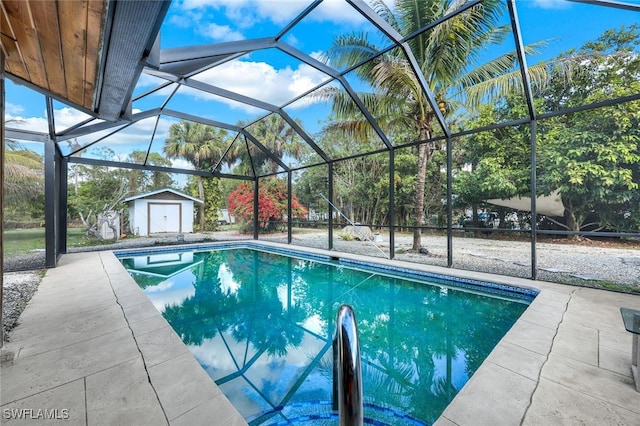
[
  {"x": 495, "y": 163},
  {"x": 272, "y": 203},
  {"x": 593, "y": 157},
  {"x": 100, "y": 189},
  {"x": 199, "y": 144},
  {"x": 143, "y": 180},
  {"x": 23, "y": 180},
  {"x": 212, "y": 199},
  {"x": 447, "y": 56},
  {"x": 279, "y": 138},
  {"x": 158, "y": 180},
  {"x": 275, "y": 134},
  {"x": 360, "y": 183}
]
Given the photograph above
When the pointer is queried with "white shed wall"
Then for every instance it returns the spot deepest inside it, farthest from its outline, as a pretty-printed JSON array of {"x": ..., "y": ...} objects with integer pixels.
[{"x": 140, "y": 220}]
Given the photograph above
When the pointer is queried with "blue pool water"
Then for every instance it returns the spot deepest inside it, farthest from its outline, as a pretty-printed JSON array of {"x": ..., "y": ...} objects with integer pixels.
[{"x": 261, "y": 325}]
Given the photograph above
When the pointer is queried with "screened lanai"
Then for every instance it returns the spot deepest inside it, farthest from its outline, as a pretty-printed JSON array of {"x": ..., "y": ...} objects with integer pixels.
[{"x": 441, "y": 122}]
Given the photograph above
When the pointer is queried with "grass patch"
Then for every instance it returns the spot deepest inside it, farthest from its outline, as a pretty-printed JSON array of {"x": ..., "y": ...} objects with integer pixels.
[
  {"x": 22, "y": 241},
  {"x": 76, "y": 237},
  {"x": 601, "y": 285}
]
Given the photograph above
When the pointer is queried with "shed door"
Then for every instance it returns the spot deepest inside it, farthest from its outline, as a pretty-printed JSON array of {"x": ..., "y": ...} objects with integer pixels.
[{"x": 164, "y": 217}]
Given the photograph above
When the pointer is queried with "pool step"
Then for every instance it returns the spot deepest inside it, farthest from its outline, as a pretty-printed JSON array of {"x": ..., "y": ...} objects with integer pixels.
[{"x": 319, "y": 413}]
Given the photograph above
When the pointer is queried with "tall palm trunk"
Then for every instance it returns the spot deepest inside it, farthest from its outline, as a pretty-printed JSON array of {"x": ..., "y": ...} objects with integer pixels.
[
  {"x": 201, "y": 207},
  {"x": 424, "y": 151},
  {"x": 418, "y": 208}
]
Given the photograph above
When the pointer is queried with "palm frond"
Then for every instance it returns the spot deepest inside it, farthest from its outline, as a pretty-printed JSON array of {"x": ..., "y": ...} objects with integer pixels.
[
  {"x": 348, "y": 50},
  {"x": 23, "y": 177},
  {"x": 510, "y": 83},
  {"x": 343, "y": 105},
  {"x": 504, "y": 64},
  {"x": 352, "y": 129},
  {"x": 396, "y": 77},
  {"x": 451, "y": 44},
  {"x": 383, "y": 10}
]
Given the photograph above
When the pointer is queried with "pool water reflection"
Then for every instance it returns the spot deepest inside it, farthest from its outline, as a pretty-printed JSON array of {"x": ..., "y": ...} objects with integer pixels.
[{"x": 261, "y": 325}]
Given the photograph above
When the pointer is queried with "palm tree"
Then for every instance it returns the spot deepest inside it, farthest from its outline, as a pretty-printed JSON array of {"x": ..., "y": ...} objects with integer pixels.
[
  {"x": 23, "y": 174},
  {"x": 445, "y": 55},
  {"x": 199, "y": 144},
  {"x": 277, "y": 137}
]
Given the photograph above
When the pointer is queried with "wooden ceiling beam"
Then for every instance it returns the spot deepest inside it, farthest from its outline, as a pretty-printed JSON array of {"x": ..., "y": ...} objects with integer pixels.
[
  {"x": 21, "y": 22},
  {"x": 73, "y": 38},
  {"x": 95, "y": 26},
  {"x": 45, "y": 19}
]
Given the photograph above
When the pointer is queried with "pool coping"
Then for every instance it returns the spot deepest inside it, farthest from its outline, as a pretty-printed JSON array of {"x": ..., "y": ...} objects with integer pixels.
[{"x": 568, "y": 354}]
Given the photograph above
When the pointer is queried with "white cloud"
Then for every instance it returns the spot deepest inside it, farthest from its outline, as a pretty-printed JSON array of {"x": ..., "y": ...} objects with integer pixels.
[
  {"x": 247, "y": 13},
  {"x": 179, "y": 163},
  {"x": 67, "y": 117},
  {"x": 317, "y": 55},
  {"x": 149, "y": 81},
  {"x": 337, "y": 11},
  {"x": 292, "y": 40},
  {"x": 186, "y": 19},
  {"x": 220, "y": 32},
  {"x": 33, "y": 124},
  {"x": 261, "y": 81},
  {"x": 13, "y": 108}
]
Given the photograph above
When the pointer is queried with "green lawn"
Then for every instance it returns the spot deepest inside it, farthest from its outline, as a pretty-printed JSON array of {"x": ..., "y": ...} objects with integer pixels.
[{"x": 23, "y": 241}]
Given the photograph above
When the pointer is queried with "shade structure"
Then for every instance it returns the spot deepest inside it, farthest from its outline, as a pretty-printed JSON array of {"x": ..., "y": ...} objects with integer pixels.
[{"x": 550, "y": 205}]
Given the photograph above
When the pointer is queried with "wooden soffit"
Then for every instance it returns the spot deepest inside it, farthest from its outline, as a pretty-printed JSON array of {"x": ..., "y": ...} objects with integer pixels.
[
  {"x": 55, "y": 45},
  {"x": 86, "y": 53}
]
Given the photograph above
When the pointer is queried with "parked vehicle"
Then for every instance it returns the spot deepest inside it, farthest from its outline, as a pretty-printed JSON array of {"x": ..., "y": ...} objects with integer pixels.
[
  {"x": 485, "y": 220},
  {"x": 225, "y": 218}
]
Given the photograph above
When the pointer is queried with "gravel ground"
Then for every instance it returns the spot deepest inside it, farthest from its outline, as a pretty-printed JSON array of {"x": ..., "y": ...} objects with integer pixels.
[
  {"x": 600, "y": 265},
  {"x": 17, "y": 290}
]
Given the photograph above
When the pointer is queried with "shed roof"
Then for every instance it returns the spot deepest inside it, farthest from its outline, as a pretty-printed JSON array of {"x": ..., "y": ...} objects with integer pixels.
[{"x": 160, "y": 191}]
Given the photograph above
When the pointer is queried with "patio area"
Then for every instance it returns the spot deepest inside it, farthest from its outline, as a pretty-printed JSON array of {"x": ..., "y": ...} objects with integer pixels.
[{"x": 90, "y": 348}]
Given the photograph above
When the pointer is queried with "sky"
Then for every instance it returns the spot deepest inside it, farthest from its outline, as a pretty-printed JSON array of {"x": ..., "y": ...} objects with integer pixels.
[{"x": 274, "y": 77}]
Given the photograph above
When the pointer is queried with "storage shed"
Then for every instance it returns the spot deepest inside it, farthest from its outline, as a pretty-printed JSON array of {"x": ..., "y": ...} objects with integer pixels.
[{"x": 161, "y": 211}]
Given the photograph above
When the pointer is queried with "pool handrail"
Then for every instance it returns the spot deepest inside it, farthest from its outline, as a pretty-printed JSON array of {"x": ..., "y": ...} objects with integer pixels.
[{"x": 347, "y": 369}]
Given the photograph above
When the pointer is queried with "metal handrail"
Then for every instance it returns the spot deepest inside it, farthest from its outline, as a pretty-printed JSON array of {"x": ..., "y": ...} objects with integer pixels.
[{"x": 347, "y": 369}]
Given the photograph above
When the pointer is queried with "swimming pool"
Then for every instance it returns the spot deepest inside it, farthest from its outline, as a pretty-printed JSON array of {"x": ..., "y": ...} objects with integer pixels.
[{"x": 261, "y": 324}]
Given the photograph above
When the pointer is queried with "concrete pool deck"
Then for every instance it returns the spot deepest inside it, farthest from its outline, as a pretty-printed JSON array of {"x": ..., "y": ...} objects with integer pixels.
[{"x": 90, "y": 348}]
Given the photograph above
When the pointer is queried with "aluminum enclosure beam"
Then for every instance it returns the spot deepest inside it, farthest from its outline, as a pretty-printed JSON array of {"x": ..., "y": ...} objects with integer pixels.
[
  {"x": 182, "y": 54},
  {"x": 136, "y": 166},
  {"x": 50, "y": 204},
  {"x": 611, "y": 3},
  {"x": 524, "y": 70},
  {"x": 132, "y": 20},
  {"x": 26, "y": 135}
]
